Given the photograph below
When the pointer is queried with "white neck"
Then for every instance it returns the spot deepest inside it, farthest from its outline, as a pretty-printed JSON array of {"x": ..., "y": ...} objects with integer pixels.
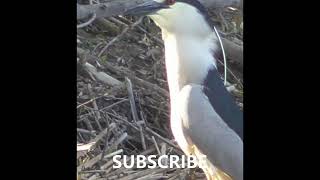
[{"x": 188, "y": 59}]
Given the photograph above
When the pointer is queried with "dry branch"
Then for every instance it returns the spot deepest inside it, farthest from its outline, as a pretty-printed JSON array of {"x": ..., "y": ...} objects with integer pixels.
[
  {"x": 121, "y": 72},
  {"x": 162, "y": 138},
  {"x": 107, "y": 9},
  {"x": 95, "y": 106},
  {"x": 102, "y": 76},
  {"x": 222, "y": 3},
  {"x": 132, "y": 101},
  {"x": 103, "y": 133},
  {"x": 113, "y": 154},
  {"x": 233, "y": 51},
  {"x": 90, "y": 163},
  {"x": 143, "y": 173},
  {"x": 119, "y": 36},
  {"x": 87, "y": 23}
]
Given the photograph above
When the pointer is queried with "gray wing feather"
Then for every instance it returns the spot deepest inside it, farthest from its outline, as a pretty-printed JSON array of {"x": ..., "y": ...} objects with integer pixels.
[{"x": 205, "y": 128}]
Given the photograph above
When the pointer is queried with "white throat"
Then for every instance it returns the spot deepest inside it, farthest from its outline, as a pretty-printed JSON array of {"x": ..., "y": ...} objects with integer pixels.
[{"x": 188, "y": 59}]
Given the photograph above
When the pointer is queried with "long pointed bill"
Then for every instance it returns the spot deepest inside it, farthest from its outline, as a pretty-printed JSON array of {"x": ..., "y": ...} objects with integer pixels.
[{"x": 146, "y": 8}]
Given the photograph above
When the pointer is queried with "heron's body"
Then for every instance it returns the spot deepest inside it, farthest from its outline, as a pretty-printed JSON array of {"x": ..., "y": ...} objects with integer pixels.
[
  {"x": 187, "y": 73},
  {"x": 204, "y": 118},
  {"x": 183, "y": 70}
]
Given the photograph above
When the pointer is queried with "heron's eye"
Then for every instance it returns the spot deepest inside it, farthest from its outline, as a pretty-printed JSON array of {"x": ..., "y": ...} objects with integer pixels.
[{"x": 170, "y": 2}]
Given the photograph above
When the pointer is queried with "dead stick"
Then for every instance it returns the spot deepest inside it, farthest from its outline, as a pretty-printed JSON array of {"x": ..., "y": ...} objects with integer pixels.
[
  {"x": 142, "y": 138},
  {"x": 91, "y": 133},
  {"x": 162, "y": 138},
  {"x": 102, "y": 76},
  {"x": 95, "y": 107},
  {"x": 156, "y": 144},
  {"x": 233, "y": 51},
  {"x": 121, "y": 72},
  {"x": 88, "y": 22},
  {"x": 119, "y": 36},
  {"x": 132, "y": 101},
  {"x": 103, "y": 133}
]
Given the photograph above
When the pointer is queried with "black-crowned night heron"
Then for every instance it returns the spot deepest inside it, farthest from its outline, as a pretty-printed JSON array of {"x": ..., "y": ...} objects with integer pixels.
[{"x": 204, "y": 117}]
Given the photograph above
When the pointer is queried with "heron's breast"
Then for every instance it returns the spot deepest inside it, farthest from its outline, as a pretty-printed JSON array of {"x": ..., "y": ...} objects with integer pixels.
[{"x": 177, "y": 129}]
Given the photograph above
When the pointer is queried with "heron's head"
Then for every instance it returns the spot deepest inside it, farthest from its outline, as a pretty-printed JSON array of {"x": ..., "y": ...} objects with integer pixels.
[{"x": 184, "y": 17}]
